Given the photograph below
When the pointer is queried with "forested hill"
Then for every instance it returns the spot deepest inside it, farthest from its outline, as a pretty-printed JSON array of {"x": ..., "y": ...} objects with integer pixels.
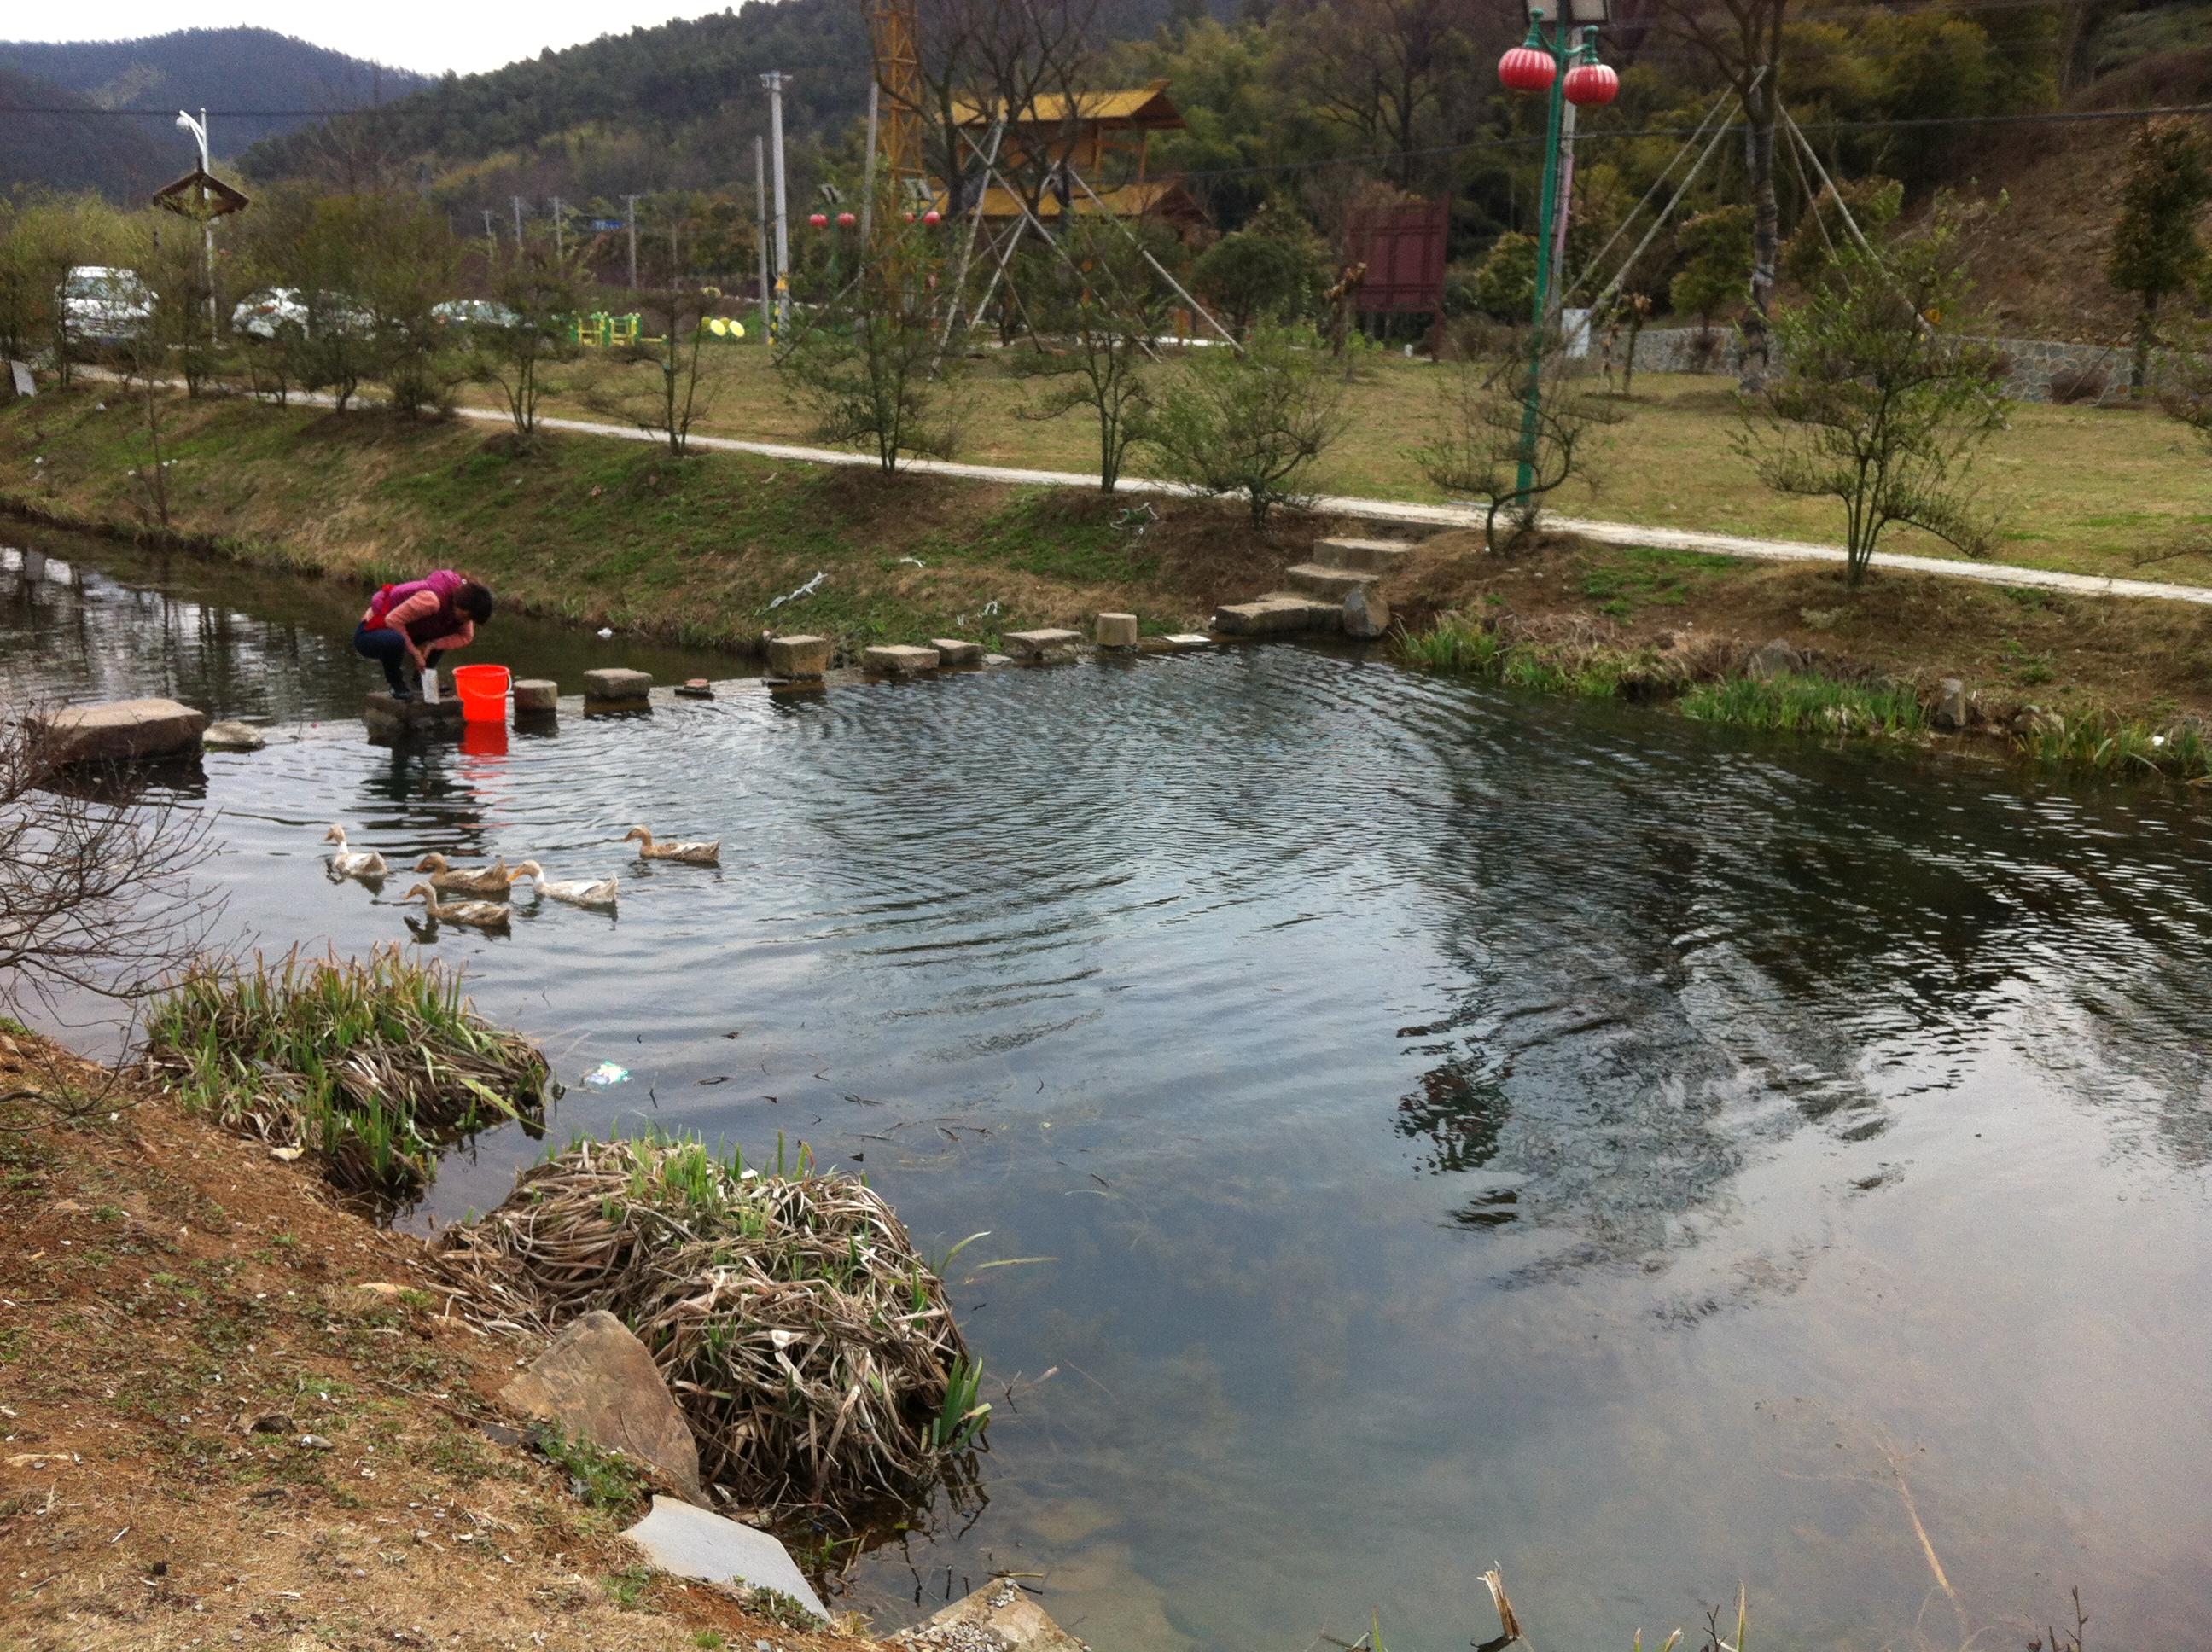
[
  {"x": 207, "y": 68},
  {"x": 673, "y": 84},
  {"x": 39, "y": 144}
]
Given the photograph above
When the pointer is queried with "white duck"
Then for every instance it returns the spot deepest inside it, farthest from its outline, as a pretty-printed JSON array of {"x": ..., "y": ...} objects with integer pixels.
[
  {"x": 576, "y": 892},
  {"x": 354, "y": 863},
  {"x": 697, "y": 854},
  {"x": 477, "y": 914}
]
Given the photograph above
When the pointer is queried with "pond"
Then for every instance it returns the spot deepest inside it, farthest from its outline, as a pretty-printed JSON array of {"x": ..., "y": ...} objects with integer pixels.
[{"x": 1416, "y": 1127}]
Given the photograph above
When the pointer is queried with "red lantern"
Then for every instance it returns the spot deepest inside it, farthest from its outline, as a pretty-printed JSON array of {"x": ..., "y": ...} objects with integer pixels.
[
  {"x": 820, "y": 221},
  {"x": 1592, "y": 83},
  {"x": 1527, "y": 68},
  {"x": 932, "y": 217},
  {"x": 910, "y": 217},
  {"x": 845, "y": 220}
]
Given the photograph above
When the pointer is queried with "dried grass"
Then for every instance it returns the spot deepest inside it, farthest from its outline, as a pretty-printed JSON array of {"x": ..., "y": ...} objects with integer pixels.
[
  {"x": 810, "y": 1346},
  {"x": 371, "y": 1066}
]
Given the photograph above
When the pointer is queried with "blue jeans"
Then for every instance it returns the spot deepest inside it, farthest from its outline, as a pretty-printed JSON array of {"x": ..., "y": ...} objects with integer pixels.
[{"x": 388, "y": 649}]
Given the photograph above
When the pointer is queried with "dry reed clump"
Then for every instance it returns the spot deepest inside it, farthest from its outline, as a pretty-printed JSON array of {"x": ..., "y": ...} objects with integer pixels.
[
  {"x": 810, "y": 1346},
  {"x": 371, "y": 1066}
]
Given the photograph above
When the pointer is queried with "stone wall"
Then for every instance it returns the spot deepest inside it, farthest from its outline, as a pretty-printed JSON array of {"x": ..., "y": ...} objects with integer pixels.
[{"x": 2035, "y": 361}]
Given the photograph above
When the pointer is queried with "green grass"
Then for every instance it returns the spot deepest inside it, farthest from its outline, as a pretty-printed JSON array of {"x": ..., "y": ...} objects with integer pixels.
[
  {"x": 607, "y": 1481},
  {"x": 371, "y": 1065},
  {"x": 1806, "y": 704}
]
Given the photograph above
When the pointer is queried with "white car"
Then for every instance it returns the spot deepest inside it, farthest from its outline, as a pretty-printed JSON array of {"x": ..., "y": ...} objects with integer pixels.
[
  {"x": 474, "y": 313},
  {"x": 104, "y": 305},
  {"x": 267, "y": 312}
]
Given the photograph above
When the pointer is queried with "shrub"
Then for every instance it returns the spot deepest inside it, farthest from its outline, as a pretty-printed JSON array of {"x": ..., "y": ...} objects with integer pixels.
[{"x": 1249, "y": 422}]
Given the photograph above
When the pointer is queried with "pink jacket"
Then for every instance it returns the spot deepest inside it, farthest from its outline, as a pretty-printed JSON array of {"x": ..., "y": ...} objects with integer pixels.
[{"x": 422, "y": 610}]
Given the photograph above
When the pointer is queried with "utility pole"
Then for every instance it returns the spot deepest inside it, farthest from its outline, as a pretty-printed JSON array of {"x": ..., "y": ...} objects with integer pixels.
[
  {"x": 557, "y": 248},
  {"x": 198, "y": 129},
  {"x": 517, "y": 199},
  {"x": 490, "y": 235},
  {"x": 760, "y": 236},
  {"x": 630, "y": 218},
  {"x": 775, "y": 81}
]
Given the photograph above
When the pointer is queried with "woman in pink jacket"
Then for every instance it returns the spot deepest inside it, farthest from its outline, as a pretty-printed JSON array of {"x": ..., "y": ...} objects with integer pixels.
[{"x": 418, "y": 622}]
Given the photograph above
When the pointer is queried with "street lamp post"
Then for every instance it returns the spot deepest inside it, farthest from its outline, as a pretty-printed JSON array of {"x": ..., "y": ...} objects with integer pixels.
[
  {"x": 1564, "y": 64},
  {"x": 199, "y": 132}
]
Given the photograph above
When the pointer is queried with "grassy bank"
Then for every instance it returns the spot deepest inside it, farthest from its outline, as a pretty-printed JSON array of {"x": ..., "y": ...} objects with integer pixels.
[
  {"x": 2098, "y": 683},
  {"x": 2109, "y": 490},
  {"x": 604, "y": 532}
]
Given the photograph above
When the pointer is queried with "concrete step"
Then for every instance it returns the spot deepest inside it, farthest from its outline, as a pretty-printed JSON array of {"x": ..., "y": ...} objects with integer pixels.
[
  {"x": 1382, "y": 553},
  {"x": 1277, "y": 612},
  {"x": 1334, "y": 582}
]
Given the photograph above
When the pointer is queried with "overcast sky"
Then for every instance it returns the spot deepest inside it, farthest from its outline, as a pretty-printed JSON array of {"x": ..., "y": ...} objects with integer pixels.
[{"x": 419, "y": 34}]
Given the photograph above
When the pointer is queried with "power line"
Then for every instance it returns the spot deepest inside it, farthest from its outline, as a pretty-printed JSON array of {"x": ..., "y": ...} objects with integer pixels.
[{"x": 2054, "y": 117}]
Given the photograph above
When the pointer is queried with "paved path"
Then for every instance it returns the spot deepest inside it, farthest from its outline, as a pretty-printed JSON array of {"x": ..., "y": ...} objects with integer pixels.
[
  {"x": 1398, "y": 511},
  {"x": 1390, "y": 510}
]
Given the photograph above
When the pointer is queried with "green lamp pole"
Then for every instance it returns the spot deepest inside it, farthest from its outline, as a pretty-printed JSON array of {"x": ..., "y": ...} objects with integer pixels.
[{"x": 1542, "y": 63}]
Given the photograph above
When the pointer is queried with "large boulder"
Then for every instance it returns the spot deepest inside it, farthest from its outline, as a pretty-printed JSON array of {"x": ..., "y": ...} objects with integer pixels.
[
  {"x": 689, "y": 1542},
  {"x": 1775, "y": 658},
  {"x": 1366, "y": 612},
  {"x": 1000, "y": 1615},
  {"x": 123, "y": 729},
  {"x": 599, "y": 1384},
  {"x": 1951, "y": 714}
]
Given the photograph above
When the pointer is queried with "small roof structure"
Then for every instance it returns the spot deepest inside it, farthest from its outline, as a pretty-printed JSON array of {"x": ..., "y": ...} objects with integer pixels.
[
  {"x": 1147, "y": 109},
  {"x": 200, "y": 194}
]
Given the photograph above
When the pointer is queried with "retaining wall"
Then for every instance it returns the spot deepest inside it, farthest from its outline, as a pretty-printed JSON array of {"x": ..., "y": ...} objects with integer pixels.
[{"x": 2035, "y": 361}]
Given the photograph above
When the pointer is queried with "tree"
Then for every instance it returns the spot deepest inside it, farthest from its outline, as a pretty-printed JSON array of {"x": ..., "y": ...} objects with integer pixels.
[
  {"x": 1480, "y": 435},
  {"x": 1742, "y": 39},
  {"x": 657, "y": 382},
  {"x": 1248, "y": 423},
  {"x": 2155, "y": 249},
  {"x": 1882, "y": 404},
  {"x": 1719, "y": 247},
  {"x": 96, "y": 893},
  {"x": 870, "y": 362},
  {"x": 1506, "y": 280},
  {"x": 1381, "y": 70},
  {"x": 537, "y": 293},
  {"x": 41, "y": 239},
  {"x": 1102, "y": 306},
  {"x": 1270, "y": 270},
  {"x": 1808, "y": 256}
]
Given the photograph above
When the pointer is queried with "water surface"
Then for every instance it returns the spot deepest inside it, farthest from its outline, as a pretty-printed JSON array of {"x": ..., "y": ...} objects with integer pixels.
[{"x": 1456, "y": 1128}]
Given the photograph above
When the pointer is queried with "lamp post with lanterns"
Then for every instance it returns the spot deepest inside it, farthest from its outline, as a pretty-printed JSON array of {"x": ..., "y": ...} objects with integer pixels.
[{"x": 1564, "y": 64}]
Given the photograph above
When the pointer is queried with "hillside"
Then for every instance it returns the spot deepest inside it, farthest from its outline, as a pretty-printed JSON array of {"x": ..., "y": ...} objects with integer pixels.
[
  {"x": 92, "y": 150},
  {"x": 212, "y": 69}
]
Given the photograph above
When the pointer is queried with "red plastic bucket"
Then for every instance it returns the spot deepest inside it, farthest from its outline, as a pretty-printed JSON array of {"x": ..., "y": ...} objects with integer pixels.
[{"x": 483, "y": 693}]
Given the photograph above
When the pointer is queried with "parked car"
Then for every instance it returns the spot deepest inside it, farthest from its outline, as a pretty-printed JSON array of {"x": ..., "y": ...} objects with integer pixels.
[
  {"x": 474, "y": 313},
  {"x": 104, "y": 305},
  {"x": 266, "y": 313}
]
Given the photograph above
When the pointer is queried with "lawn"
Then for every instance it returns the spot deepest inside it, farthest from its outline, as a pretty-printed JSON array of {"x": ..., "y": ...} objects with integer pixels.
[{"x": 2090, "y": 490}]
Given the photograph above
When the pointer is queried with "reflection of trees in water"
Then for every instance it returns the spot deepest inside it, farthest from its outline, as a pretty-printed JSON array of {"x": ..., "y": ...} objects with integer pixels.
[{"x": 1670, "y": 961}]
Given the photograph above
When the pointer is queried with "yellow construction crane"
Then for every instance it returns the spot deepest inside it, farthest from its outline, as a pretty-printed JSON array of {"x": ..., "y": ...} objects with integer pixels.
[{"x": 895, "y": 35}]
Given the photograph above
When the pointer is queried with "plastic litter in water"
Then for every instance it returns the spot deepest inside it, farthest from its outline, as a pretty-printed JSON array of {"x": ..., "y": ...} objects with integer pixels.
[{"x": 606, "y": 1075}]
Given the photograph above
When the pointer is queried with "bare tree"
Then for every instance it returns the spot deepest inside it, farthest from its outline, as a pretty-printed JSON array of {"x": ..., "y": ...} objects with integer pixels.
[
  {"x": 1382, "y": 69},
  {"x": 1022, "y": 62},
  {"x": 1742, "y": 40},
  {"x": 96, "y": 891}
]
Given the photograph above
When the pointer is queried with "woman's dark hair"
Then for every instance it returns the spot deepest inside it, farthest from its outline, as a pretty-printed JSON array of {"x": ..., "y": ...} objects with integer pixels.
[{"x": 475, "y": 601}]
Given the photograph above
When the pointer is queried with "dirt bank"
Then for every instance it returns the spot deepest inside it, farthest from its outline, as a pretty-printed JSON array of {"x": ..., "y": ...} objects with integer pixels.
[{"x": 179, "y": 1310}]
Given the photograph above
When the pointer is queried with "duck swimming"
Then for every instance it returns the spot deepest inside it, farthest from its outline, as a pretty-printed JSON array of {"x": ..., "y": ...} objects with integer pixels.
[
  {"x": 576, "y": 892},
  {"x": 477, "y": 914},
  {"x": 695, "y": 854},
  {"x": 354, "y": 863},
  {"x": 482, "y": 880}
]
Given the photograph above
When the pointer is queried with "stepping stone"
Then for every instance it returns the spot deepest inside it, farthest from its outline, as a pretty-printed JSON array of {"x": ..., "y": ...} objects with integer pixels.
[
  {"x": 613, "y": 685},
  {"x": 1000, "y": 1615},
  {"x": 688, "y": 1542},
  {"x": 387, "y": 718},
  {"x": 121, "y": 730},
  {"x": 696, "y": 688},
  {"x": 1116, "y": 631},
  {"x": 798, "y": 656},
  {"x": 898, "y": 659},
  {"x": 1043, "y": 647},
  {"x": 1331, "y": 582},
  {"x": 598, "y": 1384},
  {"x": 232, "y": 737},
  {"x": 1378, "y": 554},
  {"x": 1188, "y": 640},
  {"x": 536, "y": 693},
  {"x": 1366, "y": 613},
  {"x": 1278, "y": 613},
  {"x": 952, "y": 651}
]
